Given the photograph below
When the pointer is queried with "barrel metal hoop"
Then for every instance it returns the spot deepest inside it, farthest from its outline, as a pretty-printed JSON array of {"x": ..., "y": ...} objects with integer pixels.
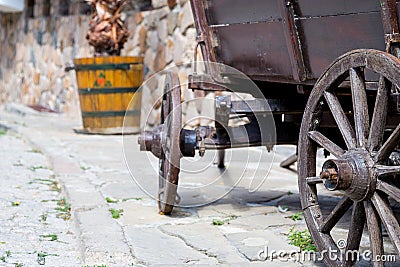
[
  {"x": 107, "y": 90},
  {"x": 107, "y": 66},
  {"x": 111, "y": 113}
]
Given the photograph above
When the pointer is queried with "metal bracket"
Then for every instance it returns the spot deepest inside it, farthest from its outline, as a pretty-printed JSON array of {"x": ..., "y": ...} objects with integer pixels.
[{"x": 204, "y": 82}]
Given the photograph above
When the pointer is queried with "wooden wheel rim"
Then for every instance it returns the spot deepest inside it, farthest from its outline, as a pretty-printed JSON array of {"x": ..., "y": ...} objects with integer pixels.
[
  {"x": 374, "y": 206},
  {"x": 169, "y": 164}
]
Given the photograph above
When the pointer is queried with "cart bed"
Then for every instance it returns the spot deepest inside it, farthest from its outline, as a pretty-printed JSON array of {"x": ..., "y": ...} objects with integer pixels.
[{"x": 274, "y": 41}]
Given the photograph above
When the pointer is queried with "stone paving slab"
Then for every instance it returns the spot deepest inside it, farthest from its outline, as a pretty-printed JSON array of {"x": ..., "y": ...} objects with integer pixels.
[
  {"x": 250, "y": 243},
  {"x": 102, "y": 238},
  {"x": 264, "y": 221},
  {"x": 82, "y": 194},
  {"x": 152, "y": 247},
  {"x": 207, "y": 238}
]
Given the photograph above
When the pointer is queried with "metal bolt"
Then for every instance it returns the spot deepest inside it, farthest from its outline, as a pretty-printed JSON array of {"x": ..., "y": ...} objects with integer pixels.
[{"x": 325, "y": 175}]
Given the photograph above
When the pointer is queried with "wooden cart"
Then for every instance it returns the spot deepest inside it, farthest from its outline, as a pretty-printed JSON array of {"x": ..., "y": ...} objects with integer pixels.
[{"x": 332, "y": 68}]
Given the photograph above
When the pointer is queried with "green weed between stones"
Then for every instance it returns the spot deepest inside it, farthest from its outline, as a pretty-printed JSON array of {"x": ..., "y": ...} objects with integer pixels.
[
  {"x": 41, "y": 257},
  {"x": 3, "y": 131},
  {"x": 43, "y": 218},
  {"x": 225, "y": 220},
  {"x": 116, "y": 214},
  {"x": 301, "y": 239},
  {"x": 64, "y": 209},
  {"x": 84, "y": 168},
  {"x": 53, "y": 184},
  {"x": 35, "y": 150},
  {"x": 297, "y": 216},
  {"x": 5, "y": 256},
  {"x": 131, "y": 198},
  {"x": 111, "y": 200},
  {"x": 35, "y": 168},
  {"x": 50, "y": 237}
]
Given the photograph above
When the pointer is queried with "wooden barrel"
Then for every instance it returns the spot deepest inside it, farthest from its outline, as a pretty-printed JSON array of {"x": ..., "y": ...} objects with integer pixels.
[{"x": 106, "y": 86}]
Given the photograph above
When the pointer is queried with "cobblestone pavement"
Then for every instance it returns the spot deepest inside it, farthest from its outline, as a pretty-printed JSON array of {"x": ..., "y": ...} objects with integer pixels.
[
  {"x": 94, "y": 178},
  {"x": 35, "y": 227}
]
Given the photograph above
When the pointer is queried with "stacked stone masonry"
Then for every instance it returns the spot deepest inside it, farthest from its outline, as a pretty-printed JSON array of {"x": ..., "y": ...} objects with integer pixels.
[{"x": 36, "y": 48}]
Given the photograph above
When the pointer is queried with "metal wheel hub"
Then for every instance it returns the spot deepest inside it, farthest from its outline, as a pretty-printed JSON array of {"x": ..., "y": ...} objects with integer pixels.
[
  {"x": 152, "y": 140},
  {"x": 351, "y": 173}
]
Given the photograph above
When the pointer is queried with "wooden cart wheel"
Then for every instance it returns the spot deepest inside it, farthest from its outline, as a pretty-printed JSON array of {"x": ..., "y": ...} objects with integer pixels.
[
  {"x": 171, "y": 118},
  {"x": 360, "y": 174}
]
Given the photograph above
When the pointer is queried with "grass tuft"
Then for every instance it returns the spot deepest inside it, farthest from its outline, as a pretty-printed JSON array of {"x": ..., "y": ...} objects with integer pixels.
[
  {"x": 116, "y": 214},
  {"x": 50, "y": 237},
  {"x": 111, "y": 200},
  {"x": 301, "y": 239},
  {"x": 297, "y": 216}
]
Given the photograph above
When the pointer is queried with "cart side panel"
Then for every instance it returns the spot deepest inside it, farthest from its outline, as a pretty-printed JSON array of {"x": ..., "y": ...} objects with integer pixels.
[
  {"x": 256, "y": 49},
  {"x": 322, "y": 8},
  {"x": 236, "y": 11},
  {"x": 326, "y": 38},
  {"x": 250, "y": 36}
]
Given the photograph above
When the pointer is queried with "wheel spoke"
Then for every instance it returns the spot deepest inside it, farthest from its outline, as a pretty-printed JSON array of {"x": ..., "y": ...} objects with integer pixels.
[
  {"x": 356, "y": 229},
  {"x": 389, "y": 189},
  {"x": 360, "y": 105},
  {"x": 326, "y": 143},
  {"x": 341, "y": 120},
  {"x": 379, "y": 117},
  {"x": 389, "y": 220},
  {"x": 314, "y": 180},
  {"x": 336, "y": 214},
  {"x": 388, "y": 147},
  {"x": 382, "y": 170},
  {"x": 374, "y": 231}
]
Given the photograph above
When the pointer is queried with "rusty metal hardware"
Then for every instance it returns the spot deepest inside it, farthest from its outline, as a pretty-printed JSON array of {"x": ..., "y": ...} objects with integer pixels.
[
  {"x": 151, "y": 140},
  {"x": 336, "y": 174},
  {"x": 205, "y": 82}
]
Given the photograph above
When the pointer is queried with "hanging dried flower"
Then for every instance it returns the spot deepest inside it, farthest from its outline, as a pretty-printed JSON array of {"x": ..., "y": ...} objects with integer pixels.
[{"x": 107, "y": 31}]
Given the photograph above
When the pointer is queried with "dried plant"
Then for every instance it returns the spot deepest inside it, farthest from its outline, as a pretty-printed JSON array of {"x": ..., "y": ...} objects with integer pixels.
[{"x": 107, "y": 31}]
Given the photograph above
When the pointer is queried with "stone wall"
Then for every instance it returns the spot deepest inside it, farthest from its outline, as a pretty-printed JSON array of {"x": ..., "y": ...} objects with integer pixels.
[{"x": 35, "y": 50}]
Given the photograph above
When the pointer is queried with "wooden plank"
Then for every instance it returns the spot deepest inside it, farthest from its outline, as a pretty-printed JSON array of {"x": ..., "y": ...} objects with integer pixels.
[
  {"x": 319, "y": 8},
  {"x": 238, "y": 11},
  {"x": 326, "y": 38},
  {"x": 260, "y": 50}
]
